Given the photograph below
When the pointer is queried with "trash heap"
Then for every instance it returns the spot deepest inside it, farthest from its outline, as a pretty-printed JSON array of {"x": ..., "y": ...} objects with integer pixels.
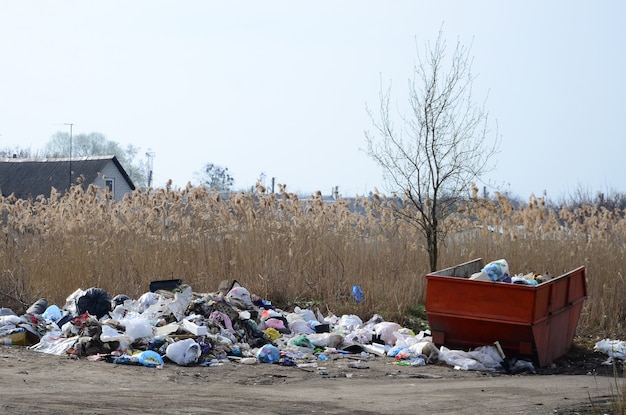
[
  {"x": 498, "y": 271},
  {"x": 171, "y": 323},
  {"x": 187, "y": 328}
]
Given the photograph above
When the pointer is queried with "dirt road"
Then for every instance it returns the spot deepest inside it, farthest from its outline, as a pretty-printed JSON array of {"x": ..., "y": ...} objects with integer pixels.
[{"x": 38, "y": 383}]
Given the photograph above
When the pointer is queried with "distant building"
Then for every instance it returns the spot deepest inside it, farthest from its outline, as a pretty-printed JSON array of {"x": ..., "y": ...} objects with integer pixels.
[{"x": 29, "y": 178}]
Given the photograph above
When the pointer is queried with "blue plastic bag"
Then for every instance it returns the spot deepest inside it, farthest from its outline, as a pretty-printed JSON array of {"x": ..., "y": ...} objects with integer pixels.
[
  {"x": 393, "y": 352},
  {"x": 150, "y": 358},
  {"x": 268, "y": 354},
  {"x": 498, "y": 271},
  {"x": 52, "y": 313},
  {"x": 357, "y": 293}
]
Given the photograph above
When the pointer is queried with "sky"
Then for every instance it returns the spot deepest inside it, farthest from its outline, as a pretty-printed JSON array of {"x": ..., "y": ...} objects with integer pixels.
[{"x": 280, "y": 88}]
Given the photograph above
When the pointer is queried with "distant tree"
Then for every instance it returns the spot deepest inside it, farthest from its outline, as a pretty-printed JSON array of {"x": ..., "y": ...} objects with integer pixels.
[
  {"x": 216, "y": 177},
  {"x": 96, "y": 144},
  {"x": 581, "y": 196},
  {"x": 17, "y": 152},
  {"x": 432, "y": 161}
]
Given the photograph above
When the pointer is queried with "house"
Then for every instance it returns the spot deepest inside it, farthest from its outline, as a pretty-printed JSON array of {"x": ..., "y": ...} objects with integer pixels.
[{"x": 29, "y": 178}]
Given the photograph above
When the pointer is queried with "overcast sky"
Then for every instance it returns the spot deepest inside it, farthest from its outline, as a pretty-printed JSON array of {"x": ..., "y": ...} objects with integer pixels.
[{"x": 281, "y": 87}]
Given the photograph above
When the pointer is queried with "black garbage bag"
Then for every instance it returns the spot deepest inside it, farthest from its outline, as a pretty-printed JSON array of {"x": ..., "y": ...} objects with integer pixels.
[
  {"x": 168, "y": 285},
  {"x": 119, "y": 300},
  {"x": 38, "y": 307},
  {"x": 94, "y": 301}
]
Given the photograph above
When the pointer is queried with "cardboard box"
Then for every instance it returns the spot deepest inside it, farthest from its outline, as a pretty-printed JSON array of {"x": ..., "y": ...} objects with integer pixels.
[{"x": 19, "y": 337}]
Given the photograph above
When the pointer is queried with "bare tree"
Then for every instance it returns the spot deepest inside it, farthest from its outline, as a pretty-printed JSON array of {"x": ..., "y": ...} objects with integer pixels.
[
  {"x": 431, "y": 162},
  {"x": 216, "y": 177},
  {"x": 17, "y": 152}
]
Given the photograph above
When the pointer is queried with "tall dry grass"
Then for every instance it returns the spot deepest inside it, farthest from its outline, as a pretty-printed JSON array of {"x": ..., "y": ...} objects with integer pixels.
[{"x": 293, "y": 251}]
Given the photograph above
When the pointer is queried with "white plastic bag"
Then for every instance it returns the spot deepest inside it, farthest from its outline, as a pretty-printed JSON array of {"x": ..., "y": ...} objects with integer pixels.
[
  {"x": 166, "y": 306},
  {"x": 299, "y": 326},
  {"x": 404, "y": 339},
  {"x": 11, "y": 321},
  {"x": 110, "y": 334},
  {"x": 138, "y": 328},
  {"x": 240, "y": 298},
  {"x": 183, "y": 352},
  {"x": 325, "y": 339},
  {"x": 53, "y": 343},
  {"x": 307, "y": 315},
  {"x": 360, "y": 336},
  {"x": 70, "y": 302},
  {"x": 418, "y": 347},
  {"x": 146, "y": 300},
  {"x": 615, "y": 349},
  {"x": 386, "y": 331},
  {"x": 348, "y": 323},
  {"x": 485, "y": 358}
]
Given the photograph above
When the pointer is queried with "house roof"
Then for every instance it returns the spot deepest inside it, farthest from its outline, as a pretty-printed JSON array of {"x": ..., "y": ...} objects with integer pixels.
[{"x": 33, "y": 177}]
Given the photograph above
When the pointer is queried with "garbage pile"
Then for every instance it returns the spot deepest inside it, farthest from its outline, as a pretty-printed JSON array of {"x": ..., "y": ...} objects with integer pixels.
[
  {"x": 186, "y": 328},
  {"x": 498, "y": 271}
]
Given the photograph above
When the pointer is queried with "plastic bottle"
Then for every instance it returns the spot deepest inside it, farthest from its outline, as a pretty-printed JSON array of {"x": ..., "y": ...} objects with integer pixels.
[{"x": 248, "y": 361}]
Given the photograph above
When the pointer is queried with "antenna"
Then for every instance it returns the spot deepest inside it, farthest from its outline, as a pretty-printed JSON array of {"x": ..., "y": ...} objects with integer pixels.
[{"x": 71, "y": 125}]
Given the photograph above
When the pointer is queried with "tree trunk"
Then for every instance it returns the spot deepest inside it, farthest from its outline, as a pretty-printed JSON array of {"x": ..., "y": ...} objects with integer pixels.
[{"x": 431, "y": 241}]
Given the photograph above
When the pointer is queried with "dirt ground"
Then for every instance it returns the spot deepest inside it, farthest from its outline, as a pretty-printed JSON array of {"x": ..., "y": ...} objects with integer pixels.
[{"x": 38, "y": 383}]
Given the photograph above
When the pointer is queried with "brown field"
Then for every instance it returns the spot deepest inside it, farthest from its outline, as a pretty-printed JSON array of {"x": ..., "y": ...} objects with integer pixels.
[{"x": 296, "y": 252}]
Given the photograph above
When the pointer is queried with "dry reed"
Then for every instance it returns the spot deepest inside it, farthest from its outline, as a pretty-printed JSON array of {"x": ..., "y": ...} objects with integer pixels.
[{"x": 293, "y": 251}]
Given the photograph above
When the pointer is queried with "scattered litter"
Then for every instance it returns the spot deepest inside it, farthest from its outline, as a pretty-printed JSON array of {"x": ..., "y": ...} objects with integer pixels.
[
  {"x": 358, "y": 365},
  {"x": 248, "y": 361},
  {"x": 483, "y": 358},
  {"x": 615, "y": 349}
]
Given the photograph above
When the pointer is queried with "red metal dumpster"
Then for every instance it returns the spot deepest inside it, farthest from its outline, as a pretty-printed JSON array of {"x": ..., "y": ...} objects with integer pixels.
[{"x": 528, "y": 321}]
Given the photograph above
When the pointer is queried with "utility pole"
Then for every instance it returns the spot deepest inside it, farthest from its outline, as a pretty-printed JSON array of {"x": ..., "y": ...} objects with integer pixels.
[
  {"x": 71, "y": 125},
  {"x": 150, "y": 156}
]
